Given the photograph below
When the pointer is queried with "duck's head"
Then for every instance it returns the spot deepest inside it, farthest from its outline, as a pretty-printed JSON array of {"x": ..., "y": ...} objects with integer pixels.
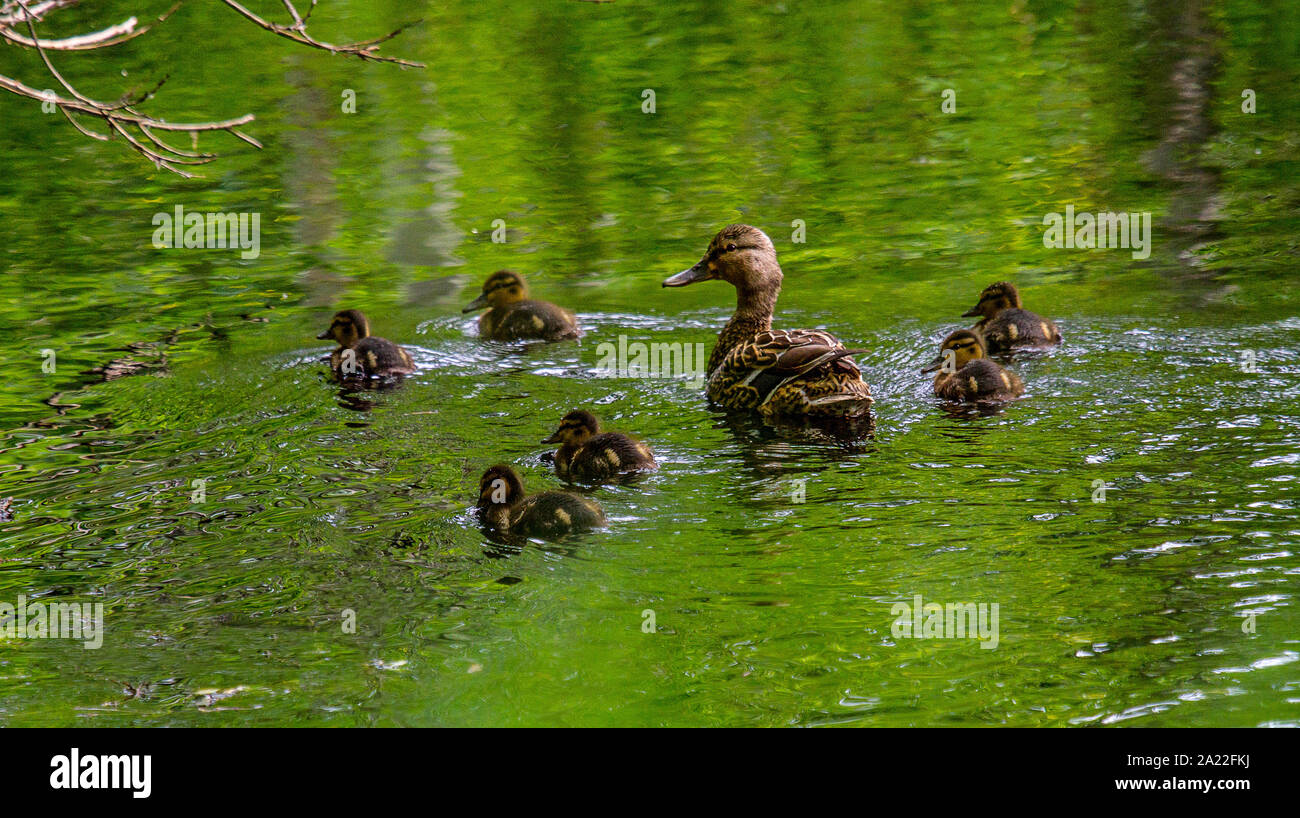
[
  {"x": 994, "y": 299},
  {"x": 348, "y": 327},
  {"x": 501, "y": 288},
  {"x": 739, "y": 254},
  {"x": 500, "y": 486},
  {"x": 575, "y": 428},
  {"x": 961, "y": 347}
]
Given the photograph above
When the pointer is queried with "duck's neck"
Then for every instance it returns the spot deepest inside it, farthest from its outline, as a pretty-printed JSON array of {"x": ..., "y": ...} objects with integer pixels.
[
  {"x": 753, "y": 315},
  {"x": 564, "y": 456}
]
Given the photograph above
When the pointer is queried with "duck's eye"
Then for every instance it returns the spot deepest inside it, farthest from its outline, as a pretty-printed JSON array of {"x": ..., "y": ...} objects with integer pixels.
[{"x": 730, "y": 247}]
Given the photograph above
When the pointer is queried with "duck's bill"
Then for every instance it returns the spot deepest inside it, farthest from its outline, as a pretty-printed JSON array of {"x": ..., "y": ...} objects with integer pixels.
[
  {"x": 933, "y": 365},
  {"x": 323, "y": 336},
  {"x": 700, "y": 272},
  {"x": 555, "y": 438},
  {"x": 477, "y": 304},
  {"x": 972, "y": 312}
]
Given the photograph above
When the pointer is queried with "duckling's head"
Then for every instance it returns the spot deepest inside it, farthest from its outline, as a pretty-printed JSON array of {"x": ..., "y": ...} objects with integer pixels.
[
  {"x": 501, "y": 288},
  {"x": 348, "y": 327},
  {"x": 739, "y": 254},
  {"x": 500, "y": 486},
  {"x": 575, "y": 428},
  {"x": 959, "y": 348},
  {"x": 995, "y": 299}
]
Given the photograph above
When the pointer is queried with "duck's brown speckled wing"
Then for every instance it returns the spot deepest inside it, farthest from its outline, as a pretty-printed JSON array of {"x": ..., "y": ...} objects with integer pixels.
[
  {"x": 800, "y": 371},
  {"x": 1014, "y": 328}
]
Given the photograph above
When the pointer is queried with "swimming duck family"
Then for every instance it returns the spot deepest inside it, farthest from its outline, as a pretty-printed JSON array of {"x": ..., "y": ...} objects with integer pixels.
[
  {"x": 592, "y": 456},
  {"x": 1004, "y": 325},
  {"x": 776, "y": 373},
  {"x": 360, "y": 354},
  {"x": 753, "y": 367},
  {"x": 512, "y": 316}
]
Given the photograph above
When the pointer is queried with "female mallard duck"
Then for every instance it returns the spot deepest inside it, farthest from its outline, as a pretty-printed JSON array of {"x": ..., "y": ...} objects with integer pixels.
[
  {"x": 588, "y": 455},
  {"x": 777, "y": 372},
  {"x": 513, "y": 316},
  {"x": 503, "y": 506},
  {"x": 361, "y": 355},
  {"x": 1005, "y": 325},
  {"x": 967, "y": 376}
]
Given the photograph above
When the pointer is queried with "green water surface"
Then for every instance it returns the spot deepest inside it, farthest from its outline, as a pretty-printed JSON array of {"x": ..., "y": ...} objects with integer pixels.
[{"x": 769, "y": 558}]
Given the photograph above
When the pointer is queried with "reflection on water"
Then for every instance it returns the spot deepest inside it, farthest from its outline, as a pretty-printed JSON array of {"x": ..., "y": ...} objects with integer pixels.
[
  {"x": 191, "y": 464},
  {"x": 1195, "y": 203}
]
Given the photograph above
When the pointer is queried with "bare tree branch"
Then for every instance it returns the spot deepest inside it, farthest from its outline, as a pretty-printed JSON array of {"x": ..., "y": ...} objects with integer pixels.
[
  {"x": 10, "y": 12},
  {"x": 122, "y": 118},
  {"x": 113, "y": 35}
]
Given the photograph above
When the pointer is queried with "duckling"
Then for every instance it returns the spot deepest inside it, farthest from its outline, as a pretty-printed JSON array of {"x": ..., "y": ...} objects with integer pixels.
[
  {"x": 1005, "y": 325},
  {"x": 968, "y": 376},
  {"x": 512, "y": 316},
  {"x": 503, "y": 506},
  {"x": 777, "y": 372},
  {"x": 588, "y": 455},
  {"x": 361, "y": 355}
]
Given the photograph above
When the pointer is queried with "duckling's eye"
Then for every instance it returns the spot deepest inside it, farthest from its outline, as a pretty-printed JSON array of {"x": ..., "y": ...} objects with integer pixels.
[{"x": 731, "y": 247}]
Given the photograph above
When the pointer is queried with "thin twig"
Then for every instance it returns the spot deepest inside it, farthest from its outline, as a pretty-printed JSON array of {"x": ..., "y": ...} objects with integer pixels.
[{"x": 365, "y": 50}]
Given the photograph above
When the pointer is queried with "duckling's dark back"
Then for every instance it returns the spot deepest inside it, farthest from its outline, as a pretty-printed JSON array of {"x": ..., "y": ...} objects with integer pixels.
[
  {"x": 980, "y": 379},
  {"x": 524, "y": 320},
  {"x": 1017, "y": 328},
  {"x": 377, "y": 356},
  {"x": 603, "y": 456},
  {"x": 555, "y": 513}
]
